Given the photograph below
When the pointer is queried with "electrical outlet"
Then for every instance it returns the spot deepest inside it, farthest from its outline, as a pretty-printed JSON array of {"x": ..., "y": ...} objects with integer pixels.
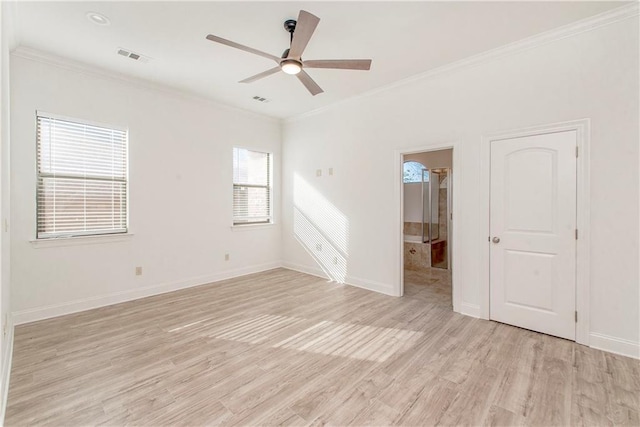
[
  {"x": 318, "y": 172},
  {"x": 318, "y": 246},
  {"x": 226, "y": 257},
  {"x": 138, "y": 271},
  {"x": 330, "y": 171}
]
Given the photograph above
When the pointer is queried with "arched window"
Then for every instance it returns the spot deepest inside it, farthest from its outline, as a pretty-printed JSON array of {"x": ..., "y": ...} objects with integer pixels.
[{"x": 413, "y": 172}]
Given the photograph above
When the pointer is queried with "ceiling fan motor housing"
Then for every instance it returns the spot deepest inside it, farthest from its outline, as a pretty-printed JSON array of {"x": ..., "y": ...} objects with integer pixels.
[{"x": 290, "y": 25}]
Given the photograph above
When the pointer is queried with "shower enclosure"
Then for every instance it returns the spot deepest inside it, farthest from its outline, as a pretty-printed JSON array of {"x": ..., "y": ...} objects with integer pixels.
[{"x": 435, "y": 214}]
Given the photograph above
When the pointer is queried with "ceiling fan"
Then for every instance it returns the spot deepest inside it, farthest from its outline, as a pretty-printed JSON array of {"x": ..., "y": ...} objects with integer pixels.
[{"x": 291, "y": 60}]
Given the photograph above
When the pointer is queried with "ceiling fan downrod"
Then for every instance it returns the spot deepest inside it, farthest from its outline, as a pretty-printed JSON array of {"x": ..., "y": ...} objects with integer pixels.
[{"x": 290, "y": 26}]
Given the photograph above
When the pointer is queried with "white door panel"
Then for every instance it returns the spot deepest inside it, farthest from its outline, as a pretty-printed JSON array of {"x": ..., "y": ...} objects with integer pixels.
[{"x": 533, "y": 220}]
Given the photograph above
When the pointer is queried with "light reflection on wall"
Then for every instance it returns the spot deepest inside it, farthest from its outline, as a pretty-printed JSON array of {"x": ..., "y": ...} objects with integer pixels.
[{"x": 321, "y": 228}]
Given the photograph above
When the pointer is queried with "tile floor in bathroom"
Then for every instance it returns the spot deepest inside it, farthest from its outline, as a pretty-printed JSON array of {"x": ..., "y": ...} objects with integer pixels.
[{"x": 436, "y": 282}]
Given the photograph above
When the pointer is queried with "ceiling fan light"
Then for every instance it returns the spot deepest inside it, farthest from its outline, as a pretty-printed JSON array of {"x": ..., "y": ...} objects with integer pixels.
[{"x": 291, "y": 66}]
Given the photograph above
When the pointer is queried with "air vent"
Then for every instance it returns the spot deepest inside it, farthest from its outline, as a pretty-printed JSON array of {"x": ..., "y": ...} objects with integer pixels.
[
  {"x": 132, "y": 55},
  {"x": 261, "y": 99}
]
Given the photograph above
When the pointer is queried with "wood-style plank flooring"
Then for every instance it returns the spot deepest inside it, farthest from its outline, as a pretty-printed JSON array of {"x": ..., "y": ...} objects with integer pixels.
[{"x": 286, "y": 348}]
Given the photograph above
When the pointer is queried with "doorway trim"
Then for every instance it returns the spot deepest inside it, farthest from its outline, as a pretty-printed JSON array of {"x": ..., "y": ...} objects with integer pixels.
[
  {"x": 454, "y": 243},
  {"x": 583, "y": 279}
]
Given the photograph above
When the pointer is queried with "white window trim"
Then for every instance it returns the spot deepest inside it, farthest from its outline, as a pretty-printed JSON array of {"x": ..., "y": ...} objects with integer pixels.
[
  {"x": 53, "y": 242},
  {"x": 252, "y": 226},
  {"x": 83, "y": 121},
  {"x": 74, "y": 240}
]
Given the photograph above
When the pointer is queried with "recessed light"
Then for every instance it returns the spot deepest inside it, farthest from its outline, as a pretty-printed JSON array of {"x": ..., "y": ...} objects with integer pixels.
[{"x": 98, "y": 18}]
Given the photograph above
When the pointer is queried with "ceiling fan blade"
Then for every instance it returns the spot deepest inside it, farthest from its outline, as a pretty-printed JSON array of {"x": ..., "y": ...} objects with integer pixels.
[
  {"x": 261, "y": 75},
  {"x": 242, "y": 47},
  {"x": 308, "y": 82},
  {"x": 342, "y": 64},
  {"x": 305, "y": 27}
]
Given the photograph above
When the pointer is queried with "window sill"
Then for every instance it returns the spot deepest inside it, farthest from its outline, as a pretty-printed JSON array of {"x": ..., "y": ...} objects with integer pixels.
[
  {"x": 247, "y": 227},
  {"x": 80, "y": 240}
]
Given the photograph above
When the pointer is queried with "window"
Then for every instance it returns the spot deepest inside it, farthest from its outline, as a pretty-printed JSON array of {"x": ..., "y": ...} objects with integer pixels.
[
  {"x": 82, "y": 178},
  {"x": 413, "y": 172},
  {"x": 251, "y": 187}
]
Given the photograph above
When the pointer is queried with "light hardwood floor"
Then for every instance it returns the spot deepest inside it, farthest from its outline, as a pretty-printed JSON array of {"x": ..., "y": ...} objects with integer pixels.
[{"x": 283, "y": 348}]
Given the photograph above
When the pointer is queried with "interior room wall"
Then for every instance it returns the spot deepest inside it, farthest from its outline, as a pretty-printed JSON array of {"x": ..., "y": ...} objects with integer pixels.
[
  {"x": 592, "y": 74},
  {"x": 7, "y": 41},
  {"x": 412, "y": 202},
  {"x": 180, "y": 192},
  {"x": 432, "y": 159}
]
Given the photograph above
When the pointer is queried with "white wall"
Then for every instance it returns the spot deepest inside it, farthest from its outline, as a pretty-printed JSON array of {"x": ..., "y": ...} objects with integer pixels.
[
  {"x": 412, "y": 202},
  {"x": 593, "y": 74},
  {"x": 6, "y": 324},
  {"x": 180, "y": 193},
  {"x": 432, "y": 159}
]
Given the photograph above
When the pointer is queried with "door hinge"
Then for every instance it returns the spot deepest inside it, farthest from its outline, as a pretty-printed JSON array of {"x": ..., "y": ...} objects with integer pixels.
[
  {"x": 576, "y": 151},
  {"x": 576, "y": 316},
  {"x": 576, "y": 234}
]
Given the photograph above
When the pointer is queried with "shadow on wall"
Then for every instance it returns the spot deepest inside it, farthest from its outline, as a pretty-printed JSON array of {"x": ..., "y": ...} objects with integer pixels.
[{"x": 321, "y": 228}]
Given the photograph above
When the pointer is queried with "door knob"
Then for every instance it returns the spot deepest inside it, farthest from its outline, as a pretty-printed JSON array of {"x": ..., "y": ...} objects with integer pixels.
[{"x": 496, "y": 240}]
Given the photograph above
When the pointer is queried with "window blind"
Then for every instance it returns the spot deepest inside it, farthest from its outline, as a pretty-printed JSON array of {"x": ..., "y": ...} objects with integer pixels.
[
  {"x": 82, "y": 178},
  {"x": 251, "y": 187}
]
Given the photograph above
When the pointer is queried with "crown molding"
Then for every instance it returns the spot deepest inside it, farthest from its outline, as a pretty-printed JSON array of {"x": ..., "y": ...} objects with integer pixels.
[
  {"x": 578, "y": 27},
  {"x": 597, "y": 21},
  {"x": 90, "y": 70}
]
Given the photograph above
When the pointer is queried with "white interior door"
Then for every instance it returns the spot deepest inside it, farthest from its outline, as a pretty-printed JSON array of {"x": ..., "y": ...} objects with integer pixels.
[{"x": 533, "y": 232}]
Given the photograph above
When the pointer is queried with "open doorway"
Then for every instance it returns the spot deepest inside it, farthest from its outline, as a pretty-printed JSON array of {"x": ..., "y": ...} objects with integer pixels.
[{"x": 427, "y": 205}]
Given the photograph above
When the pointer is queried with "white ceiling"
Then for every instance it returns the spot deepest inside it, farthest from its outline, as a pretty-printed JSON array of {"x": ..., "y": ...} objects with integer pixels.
[{"x": 402, "y": 38}]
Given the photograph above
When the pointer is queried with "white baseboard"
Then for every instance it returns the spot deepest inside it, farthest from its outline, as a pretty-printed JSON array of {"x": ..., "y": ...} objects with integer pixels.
[
  {"x": 469, "y": 309},
  {"x": 6, "y": 369},
  {"x": 47, "y": 312},
  {"x": 599, "y": 341},
  {"x": 382, "y": 288},
  {"x": 351, "y": 280},
  {"x": 615, "y": 345},
  {"x": 314, "y": 271}
]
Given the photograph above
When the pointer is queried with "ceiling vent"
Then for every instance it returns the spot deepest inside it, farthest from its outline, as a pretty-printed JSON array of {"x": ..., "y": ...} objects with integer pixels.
[
  {"x": 132, "y": 55},
  {"x": 261, "y": 99}
]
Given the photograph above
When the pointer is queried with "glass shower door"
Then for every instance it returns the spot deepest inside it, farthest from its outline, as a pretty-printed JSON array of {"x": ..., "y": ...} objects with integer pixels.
[
  {"x": 434, "y": 192},
  {"x": 426, "y": 205},
  {"x": 430, "y": 215}
]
